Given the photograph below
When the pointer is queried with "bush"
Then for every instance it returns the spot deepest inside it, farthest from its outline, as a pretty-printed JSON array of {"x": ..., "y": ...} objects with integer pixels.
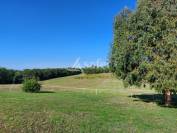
[{"x": 31, "y": 85}]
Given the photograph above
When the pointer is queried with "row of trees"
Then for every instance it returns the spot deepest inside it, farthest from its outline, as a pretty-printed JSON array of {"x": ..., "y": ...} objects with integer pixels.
[
  {"x": 145, "y": 46},
  {"x": 96, "y": 70},
  {"x": 9, "y": 76},
  {"x": 13, "y": 76}
]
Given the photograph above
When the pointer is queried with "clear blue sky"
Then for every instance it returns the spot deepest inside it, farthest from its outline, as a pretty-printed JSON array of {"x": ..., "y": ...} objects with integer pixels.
[{"x": 54, "y": 33}]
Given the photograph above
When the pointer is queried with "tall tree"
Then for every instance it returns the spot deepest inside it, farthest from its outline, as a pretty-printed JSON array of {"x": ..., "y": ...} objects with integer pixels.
[
  {"x": 150, "y": 49},
  {"x": 120, "y": 28}
]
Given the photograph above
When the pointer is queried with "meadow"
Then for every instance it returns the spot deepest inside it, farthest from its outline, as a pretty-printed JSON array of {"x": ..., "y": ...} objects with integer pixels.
[{"x": 97, "y": 103}]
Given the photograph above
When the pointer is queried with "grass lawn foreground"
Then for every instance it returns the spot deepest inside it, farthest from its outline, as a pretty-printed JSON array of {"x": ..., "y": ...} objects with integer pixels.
[{"x": 83, "y": 104}]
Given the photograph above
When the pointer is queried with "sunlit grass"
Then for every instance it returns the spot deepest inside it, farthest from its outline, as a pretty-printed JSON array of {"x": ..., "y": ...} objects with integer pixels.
[{"x": 83, "y": 103}]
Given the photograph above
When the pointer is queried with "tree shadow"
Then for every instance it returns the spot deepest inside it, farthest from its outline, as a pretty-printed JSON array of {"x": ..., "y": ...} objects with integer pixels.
[
  {"x": 46, "y": 92},
  {"x": 155, "y": 98}
]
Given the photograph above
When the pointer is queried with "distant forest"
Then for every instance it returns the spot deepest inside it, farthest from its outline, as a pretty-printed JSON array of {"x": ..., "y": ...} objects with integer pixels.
[{"x": 8, "y": 76}]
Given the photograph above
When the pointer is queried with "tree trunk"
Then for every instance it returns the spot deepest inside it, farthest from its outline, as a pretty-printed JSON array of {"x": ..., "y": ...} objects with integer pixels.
[{"x": 167, "y": 97}]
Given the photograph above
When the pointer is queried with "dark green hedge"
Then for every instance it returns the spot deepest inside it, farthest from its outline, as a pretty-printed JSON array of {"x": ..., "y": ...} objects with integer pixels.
[
  {"x": 8, "y": 76},
  {"x": 95, "y": 70}
]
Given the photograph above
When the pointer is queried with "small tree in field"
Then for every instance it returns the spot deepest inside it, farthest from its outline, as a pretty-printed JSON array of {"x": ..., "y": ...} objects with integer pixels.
[
  {"x": 147, "y": 52},
  {"x": 31, "y": 85}
]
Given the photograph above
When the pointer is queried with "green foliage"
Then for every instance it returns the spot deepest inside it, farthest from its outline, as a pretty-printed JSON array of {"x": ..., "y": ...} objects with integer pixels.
[
  {"x": 18, "y": 77},
  {"x": 45, "y": 74},
  {"x": 6, "y": 76},
  {"x": 14, "y": 76},
  {"x": 145, "y": 45},
  {"x": 95, "y": 70},
  {"x": 119, "y": 38},
  {"x": 31, "y": 85}
]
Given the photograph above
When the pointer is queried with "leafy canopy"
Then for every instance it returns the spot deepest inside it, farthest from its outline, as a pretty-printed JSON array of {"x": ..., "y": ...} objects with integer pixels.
[{"x": 145, "y": 45}]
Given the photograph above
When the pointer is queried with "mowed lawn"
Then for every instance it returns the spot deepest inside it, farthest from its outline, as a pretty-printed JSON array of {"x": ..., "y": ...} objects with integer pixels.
[{"x": 84, "y": 104}]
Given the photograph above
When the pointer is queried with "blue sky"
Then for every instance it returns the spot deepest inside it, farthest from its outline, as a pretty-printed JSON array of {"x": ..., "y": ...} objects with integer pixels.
[{"x": 55, "y": 33}]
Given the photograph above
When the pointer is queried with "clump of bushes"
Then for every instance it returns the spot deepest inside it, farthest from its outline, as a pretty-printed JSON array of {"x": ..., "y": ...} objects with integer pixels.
[
  {"x": 31, "y": 85},
  {"x": 96, "y": 70}
]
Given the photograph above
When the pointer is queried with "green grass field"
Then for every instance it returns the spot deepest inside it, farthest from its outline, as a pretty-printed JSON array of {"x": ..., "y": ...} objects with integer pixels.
[{"x": 84, "y": 104}]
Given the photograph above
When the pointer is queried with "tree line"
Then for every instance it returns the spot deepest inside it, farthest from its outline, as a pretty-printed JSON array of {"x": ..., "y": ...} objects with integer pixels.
[
  {"x": 8, "y": 76},
  {"x": 144, "y": 50},
  {"x": 95, "y": 70}
]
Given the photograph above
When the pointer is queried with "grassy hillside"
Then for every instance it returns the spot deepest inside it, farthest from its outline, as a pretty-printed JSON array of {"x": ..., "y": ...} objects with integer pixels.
[{"x": 84, "y": 103}]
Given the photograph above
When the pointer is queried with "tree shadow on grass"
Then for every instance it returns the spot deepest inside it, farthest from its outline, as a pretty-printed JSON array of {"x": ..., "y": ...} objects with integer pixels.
[
  {"x": 46, "y": 92},
  {"x": 155, "y": 98}
]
